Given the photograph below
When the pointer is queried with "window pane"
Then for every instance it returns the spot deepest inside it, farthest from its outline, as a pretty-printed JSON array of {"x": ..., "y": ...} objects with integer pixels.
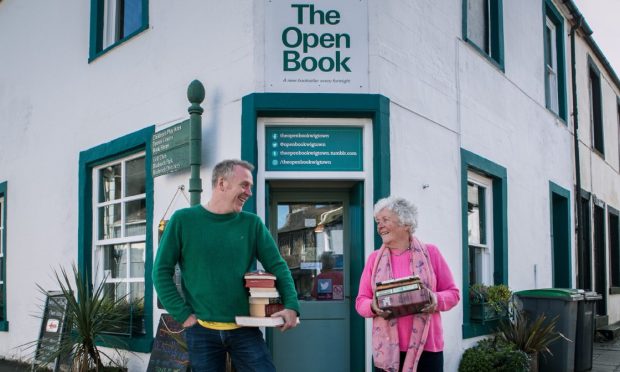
[
  {"x": 132, "y": 16},
  {"x": 135, "y": 217},
  {"x": 115, "y": 261},
  {"x": 476, "y": 265},
  {"x": 478, "y": 23},
  {"x": 310, "y": 238},
  {"x": 115, "y": 290},
  {"x": 476, "y": 213},
  {"x": 136, "y": 269},
  {"x": 135, "y": 177},
  {"x": 110, "y": 183},
  {"x": 110, "y": 221},
  {"x": 137, "y": 293}
]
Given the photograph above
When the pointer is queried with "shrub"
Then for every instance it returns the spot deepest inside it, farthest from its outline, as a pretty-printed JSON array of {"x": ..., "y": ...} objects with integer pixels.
[{"x": 494, "y": 355}]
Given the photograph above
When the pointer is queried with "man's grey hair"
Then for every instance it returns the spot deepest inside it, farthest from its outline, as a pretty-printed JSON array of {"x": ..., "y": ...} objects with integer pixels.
[
  {"x": 406, "y": 211},
  {"x": 225, "y": 169}
]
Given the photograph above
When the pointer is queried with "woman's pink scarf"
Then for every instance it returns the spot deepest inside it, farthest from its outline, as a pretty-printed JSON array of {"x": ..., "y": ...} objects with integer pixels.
[{"x": 385, "y": 346}]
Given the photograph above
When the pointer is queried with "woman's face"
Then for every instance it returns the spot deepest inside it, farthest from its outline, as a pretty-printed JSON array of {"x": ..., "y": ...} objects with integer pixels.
[{"x": 390, "y": 229}]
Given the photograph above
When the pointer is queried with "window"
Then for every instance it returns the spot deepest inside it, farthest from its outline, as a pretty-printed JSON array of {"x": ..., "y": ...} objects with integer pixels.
[
  {"x": 555, "y": 80},
  {"x": 479, "y": 217},
  {"x": 114, "y": 21},
  {"x": 115, "y": 234},
  {"x": 119, "y": 218},
  {"x": 485, "y": 236},
  {"x": 613, "y": 217},
  {"x": 618, "y": 100},
  {"x": 483, "y": 27},
  {"x": 4, "y": 324},
  {"x": 596, "y": 108}
]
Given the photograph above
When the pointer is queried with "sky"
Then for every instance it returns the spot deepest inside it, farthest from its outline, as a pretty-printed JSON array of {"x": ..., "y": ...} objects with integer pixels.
[{"x": 603, "y": 16}]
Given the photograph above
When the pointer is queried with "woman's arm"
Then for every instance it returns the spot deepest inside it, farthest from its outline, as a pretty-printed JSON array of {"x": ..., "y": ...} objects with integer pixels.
[
  {"x": 364, "y": 298},
  {"x": 448, "y": 294}
]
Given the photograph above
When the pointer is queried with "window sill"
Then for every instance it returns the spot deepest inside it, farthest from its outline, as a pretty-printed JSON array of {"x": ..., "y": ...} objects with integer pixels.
[
  {"x": 614, "y": 290},
  {"x": 471, "y": 330},
  {"x": 140, "y": 344},
  {"x": 4, "y": 326},
  {"x": 98, "y": 54},
  {"x": 496, "y": 64},
  {"x": 598, "y": 152},
  {"x": 557, "y": 116}
]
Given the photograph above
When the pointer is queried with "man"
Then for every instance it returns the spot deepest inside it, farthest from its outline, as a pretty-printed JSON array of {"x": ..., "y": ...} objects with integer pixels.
[{"x": 215, "y": 245}]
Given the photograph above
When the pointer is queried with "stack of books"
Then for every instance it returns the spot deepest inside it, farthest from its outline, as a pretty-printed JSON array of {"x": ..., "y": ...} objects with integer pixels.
[
  {"x": 402, "y": 296},
  {"x": 264, "y": 300}
]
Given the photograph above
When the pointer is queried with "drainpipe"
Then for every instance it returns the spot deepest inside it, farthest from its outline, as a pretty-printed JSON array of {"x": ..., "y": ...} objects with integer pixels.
[{"x": 580, "y": 245}]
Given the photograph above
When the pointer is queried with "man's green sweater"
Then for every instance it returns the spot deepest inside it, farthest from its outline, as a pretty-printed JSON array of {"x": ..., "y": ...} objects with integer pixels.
[{"x": 214, "y": 251}]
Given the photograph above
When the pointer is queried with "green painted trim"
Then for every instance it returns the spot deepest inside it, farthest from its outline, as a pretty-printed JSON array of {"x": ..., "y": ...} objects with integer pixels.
[
  {"x": 565, "y": 263},
  {"x": 614, "y": 277},
  {"x": 4, "y": 324},
  {"x": 497, "y": 33},
  {"x": 498, "y": 175},
  {"x": 601, "y": 122},
  {"x": 549, "y": 10},
  {"x": 116, "y": 149},
  {"x": 356, "y": 266},
  {"x": 96, "y": 29},
  {"x": 374, "y": 106}
]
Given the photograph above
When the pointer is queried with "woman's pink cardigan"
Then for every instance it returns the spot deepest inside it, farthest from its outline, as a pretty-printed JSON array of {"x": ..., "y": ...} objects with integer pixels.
[{"x": 447, "y": 296}]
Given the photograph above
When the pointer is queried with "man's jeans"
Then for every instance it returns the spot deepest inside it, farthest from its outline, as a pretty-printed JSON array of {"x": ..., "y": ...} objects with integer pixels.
[{"x": 247, "y": 348}]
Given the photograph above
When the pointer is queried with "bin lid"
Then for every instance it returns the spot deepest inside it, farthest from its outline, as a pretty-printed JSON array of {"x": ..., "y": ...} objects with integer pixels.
[
  {"x": 592, "y": 296},
  {"x": 565, "y": 294}
]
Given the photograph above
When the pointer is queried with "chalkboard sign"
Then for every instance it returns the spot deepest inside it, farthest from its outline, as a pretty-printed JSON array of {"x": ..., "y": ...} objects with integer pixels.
[
  {"x": 54, "y": 330},
  {"x": 169, "y": 352}
]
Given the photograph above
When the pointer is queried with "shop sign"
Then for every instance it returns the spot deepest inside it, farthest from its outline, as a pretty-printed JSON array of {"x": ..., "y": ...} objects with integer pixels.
[
  {"x": 317, "y": 46},
  {"x": 315, "y": 149},
  {"x": 171, "y": 149}
]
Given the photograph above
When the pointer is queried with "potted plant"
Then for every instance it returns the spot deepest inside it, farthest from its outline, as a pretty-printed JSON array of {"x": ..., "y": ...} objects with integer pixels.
[
  {"x": 531, "y": 337},
  {"x": 489, "y": 302},
  {"x": 90, "y": 316}
]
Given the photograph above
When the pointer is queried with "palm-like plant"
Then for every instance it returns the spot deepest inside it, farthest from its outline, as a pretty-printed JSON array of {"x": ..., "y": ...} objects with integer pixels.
[
  {"x": 90, "y": 315},
  {"x": 532, "y": 337}
]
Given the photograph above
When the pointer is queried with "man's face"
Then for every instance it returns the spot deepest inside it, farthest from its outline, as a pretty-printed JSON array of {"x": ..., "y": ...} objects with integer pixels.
[{"x": 237, "y": 189}]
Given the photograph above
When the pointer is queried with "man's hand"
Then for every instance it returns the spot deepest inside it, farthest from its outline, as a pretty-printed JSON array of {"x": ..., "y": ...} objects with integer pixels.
[
  {"x": 385, "y": 314},
  {"x": 190, "y": 321},
  {"x": 290, "y": 319}
]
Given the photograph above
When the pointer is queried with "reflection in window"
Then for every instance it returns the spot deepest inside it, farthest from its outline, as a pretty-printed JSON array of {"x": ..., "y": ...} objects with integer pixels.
[
  {"x": 478, "y": 227},
  {"x": 120, "y": 219},
  {"x": 310, "y": 238}
]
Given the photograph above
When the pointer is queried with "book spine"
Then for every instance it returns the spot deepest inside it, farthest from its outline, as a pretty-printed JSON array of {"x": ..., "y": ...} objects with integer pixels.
[
  {"x": 260, "y": 283},
  {"x": 405, "y": 288}
]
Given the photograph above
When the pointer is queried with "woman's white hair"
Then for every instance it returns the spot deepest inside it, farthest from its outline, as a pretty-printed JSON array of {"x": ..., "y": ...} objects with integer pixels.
[{"x": 406, "y": 211}]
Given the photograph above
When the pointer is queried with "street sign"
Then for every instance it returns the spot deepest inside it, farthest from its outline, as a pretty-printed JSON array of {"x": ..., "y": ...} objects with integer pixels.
[{"x": 171, "y": 149}]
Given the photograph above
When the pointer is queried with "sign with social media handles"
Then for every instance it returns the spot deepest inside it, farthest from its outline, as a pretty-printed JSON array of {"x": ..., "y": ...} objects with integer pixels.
[{"x": 313, "y": 148}]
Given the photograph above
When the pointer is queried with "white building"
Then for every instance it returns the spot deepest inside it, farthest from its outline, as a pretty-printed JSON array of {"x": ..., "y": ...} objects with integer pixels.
[{"x": 453, "y": 104}]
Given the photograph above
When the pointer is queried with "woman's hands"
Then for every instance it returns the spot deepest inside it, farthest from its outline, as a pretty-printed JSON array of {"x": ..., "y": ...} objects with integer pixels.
[
  {"x": 432, "y": 307},
  {"x": 378, "y": 312}
]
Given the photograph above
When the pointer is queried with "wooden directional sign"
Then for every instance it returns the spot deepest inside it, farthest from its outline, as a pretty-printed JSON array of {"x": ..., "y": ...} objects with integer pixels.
[
  {"x": 54, "y": 329},
  {"x": 169, "y": 352},
  {"x": 171, "y": 149}
]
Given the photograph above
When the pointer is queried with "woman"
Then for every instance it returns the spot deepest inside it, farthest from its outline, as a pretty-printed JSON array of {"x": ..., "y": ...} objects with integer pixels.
[{"x": 412, "y": 342}]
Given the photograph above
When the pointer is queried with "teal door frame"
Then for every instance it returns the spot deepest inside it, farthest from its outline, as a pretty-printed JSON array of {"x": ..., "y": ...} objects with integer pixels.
[
  {"x": 316, "y": 105},
  {"x": 559, "y": 204}
]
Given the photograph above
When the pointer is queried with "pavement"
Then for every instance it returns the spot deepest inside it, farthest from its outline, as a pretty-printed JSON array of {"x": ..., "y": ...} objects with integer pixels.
[
  {"x": 605, "y": 358},
  {"x": 606, "y": 355}
]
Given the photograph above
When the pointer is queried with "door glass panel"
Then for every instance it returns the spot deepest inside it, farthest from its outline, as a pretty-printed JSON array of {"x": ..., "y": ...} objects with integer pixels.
[{"x": 310, "y": 238}]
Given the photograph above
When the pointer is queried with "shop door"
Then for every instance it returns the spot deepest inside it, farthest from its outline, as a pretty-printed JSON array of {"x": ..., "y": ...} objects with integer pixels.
[{"x": 313, "y": 233}]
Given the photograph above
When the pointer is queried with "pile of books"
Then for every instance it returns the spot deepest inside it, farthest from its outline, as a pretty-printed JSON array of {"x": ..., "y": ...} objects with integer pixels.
[
  {"x": 264, "y": 300},
  {"x": 402, "y": 296}
]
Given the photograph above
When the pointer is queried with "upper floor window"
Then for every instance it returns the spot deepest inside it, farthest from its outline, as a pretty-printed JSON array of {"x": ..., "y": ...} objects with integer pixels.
[
  {"x": 555, "y": 80},
  {"x": 114, "y": 21},
  {"x": 483, "y": 27},
  {"x": 596, "y": 108}
]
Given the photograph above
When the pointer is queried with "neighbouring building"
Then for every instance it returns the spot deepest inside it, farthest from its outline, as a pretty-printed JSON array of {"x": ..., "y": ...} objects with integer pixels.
[{"x": 465, "y": 107}]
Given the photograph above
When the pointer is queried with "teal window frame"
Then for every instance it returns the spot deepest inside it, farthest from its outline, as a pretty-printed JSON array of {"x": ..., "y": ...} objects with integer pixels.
[
  {"x": 498, "y": 175},
  {"x": 318, "y": 105},
  {"x": 495, "y": 29},
  {"x": 613, "y": 233},
  {"x": 563, "y": 262},
  {"x": 97, "y": 19},
  {"x": 88, "y": 160},
  {"x": 551, "y": 12},
  {"x": 596, "y": 108},
  {"x": 4, "y": 323}
]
